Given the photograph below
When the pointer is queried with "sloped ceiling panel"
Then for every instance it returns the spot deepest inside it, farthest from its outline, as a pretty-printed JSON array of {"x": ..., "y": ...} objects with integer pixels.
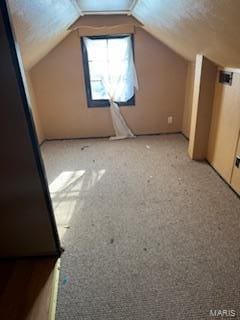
[
  {"x": 41, "y": 24},
  {"x": 210, "y": 27}
]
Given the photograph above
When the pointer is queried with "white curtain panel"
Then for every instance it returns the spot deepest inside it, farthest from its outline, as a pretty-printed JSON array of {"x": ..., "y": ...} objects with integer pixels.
[{"x": 119, "y": 79}]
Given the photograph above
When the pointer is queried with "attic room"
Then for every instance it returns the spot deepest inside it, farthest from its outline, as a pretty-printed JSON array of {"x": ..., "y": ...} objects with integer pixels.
[{"x": 120, "y": 124}]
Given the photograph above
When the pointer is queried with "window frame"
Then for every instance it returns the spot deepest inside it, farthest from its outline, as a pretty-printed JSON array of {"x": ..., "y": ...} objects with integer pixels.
[{"x": 104, "y": 103}]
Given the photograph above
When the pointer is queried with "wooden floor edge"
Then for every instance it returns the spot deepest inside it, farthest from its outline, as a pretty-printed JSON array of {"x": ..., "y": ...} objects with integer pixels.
[{"x": 53, "y": 298}]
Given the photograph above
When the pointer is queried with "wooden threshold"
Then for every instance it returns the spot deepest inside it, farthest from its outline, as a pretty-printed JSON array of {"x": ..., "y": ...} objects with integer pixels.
[{"x": 28, "y": 288}]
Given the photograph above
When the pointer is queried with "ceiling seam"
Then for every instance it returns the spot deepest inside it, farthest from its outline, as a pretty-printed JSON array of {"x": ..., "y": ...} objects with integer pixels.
[
  {"x": 77, "y": 7},
  {"x": 105, "y": 12},
  {"x": 133, "y": 5}
]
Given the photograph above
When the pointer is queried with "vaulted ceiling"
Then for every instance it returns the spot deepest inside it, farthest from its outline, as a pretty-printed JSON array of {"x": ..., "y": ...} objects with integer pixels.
[{"x": 211, "y": 27}]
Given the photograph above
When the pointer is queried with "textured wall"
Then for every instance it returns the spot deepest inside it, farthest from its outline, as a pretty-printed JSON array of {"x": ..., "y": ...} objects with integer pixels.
[{"x": 58, "y": 83}]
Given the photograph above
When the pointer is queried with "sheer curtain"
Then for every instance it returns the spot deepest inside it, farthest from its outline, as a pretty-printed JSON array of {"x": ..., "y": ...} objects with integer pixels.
[{"x": 118, "y": 78}]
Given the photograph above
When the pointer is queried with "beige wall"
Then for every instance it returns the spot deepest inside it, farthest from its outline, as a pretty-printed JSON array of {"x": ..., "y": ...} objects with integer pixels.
[
  {"x": 225, "y": 128},
  {"x": 58, "y": 84},
  {"x": 188, "y": 99},
  {"x": 202, "y": 105},
  {"x": 108, "y": 20}
]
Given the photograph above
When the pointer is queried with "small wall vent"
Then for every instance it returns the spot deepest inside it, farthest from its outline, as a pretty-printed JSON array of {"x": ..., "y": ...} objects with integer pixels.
[{"x": 225, "y": 77}]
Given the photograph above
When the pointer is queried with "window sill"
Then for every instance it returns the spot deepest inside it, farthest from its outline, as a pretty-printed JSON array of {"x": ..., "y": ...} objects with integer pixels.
[
  {"x": 108, "y": 106},
  {"x": 105, "y": 103}
]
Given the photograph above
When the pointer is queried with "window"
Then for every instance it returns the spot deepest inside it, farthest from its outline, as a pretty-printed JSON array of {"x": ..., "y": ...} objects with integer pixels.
[{"x": 101, "y": 60}]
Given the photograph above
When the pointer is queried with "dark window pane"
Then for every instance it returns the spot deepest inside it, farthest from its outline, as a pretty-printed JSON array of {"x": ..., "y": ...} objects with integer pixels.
[{"x": 105, "y": 60}]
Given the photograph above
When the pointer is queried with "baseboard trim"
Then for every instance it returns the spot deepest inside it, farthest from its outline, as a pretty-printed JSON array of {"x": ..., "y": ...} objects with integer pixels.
[
  {"x": 227, "y": 183},
  {"x": 42, "y": 142},
  {"x": 36, "y": 256},
  {"x": 185, "y": 136},
  {"x": 106, "y": 137},
  {"x": 53, "y": 298}
]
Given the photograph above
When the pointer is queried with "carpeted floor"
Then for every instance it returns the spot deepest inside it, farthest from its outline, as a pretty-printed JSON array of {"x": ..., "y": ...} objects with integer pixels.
[{"x": 148, "y": 233}]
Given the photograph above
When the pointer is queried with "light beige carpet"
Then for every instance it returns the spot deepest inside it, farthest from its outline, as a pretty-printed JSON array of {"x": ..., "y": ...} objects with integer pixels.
[{"x": 148, "y": 233}]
